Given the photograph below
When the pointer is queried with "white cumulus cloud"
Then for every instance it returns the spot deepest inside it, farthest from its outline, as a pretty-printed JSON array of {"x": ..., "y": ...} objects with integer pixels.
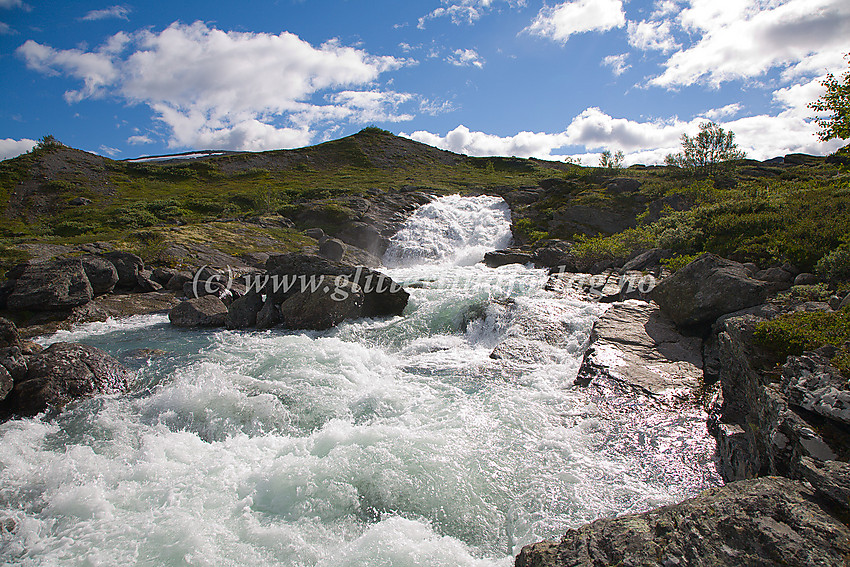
[
  {"x": 10, "y": 148},
  {"x": 224, "y": 89},
  {"x": 740, "y": 39},
  {"x": 561, "y": 21},
  {"x": 466, "y": 58},
  {"x": 465, "y": 11},
  {"x": 652, "y": 35},
  {"x": 617, "y": 63}
]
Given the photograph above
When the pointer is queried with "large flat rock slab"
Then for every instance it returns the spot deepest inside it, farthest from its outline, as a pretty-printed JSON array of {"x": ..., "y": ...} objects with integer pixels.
[{"x": 635, "y": 343}]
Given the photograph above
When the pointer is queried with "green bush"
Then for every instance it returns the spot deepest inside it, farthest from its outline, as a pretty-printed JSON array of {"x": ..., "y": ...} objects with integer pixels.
[
  {"x": 835, "y": 266},
  {"x": 678, "y": 262},
  {"x": 795, "y": 333},
  {"x": 71, "y": 228},
  {"x": 617, "y": 247}
]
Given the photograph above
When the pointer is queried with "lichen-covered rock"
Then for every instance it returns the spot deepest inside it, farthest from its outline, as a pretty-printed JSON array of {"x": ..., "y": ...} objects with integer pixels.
[
  {"x": 6, "y": 383},
  {"x": 707, "y": 288},
  {"x": 762, "y": 522},
  {"x": 64, "y": 372},
  {"x": 54, "y": 285},
  {"x": 242, "y": 313},
  {"x": 332, "y": 249},
  {"x": 204, "y": 311}
]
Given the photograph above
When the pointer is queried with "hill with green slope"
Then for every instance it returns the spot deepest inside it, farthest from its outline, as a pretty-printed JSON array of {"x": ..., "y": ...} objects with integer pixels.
[{"x": 794, "y": 209}]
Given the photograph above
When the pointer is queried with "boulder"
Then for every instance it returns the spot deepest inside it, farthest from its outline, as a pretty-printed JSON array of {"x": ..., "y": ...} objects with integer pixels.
[
  {"x": 332, "y": 249},
  {"x": 64, "y": 372},
  {"x": 649, "y": 260},
  {"x": 255, "y": 259},
  {"x": 242, "y": 313},
  {"x": 14, "y": 361},
  {"x": 268, "y": 316},
  {"x": 6, "y": 383},
  {"x": 101, "y": 273},
  {"x": 146, "y": 283},
  {"x": 204, "y": 311},
  {"x": 128, "y": 266},
  {"x": 178, "y": 280},
  {"x": 364, "y": 236},
  {"x": 497, "y": 258},
  {"x": 830, "y": 479},
  {"x": 620, "y": 185},
  {"x": 707, "y": 288},
  {"x": 51, "y": 286},
  {"x": 162, "y": 275},
  {"x": 79, "y": 201},
  {"x": 316, "y": 233},
  {"x": 634, "y": 343},
  {"x": 761, "y": 522},
  {"x": 806, "y": 279},
  {"x": 776, "y": 275},
  {"x": 9, "y": 335},
  {"x": 322, "y": 309},
  {"x": 382, "y": 296},
  {"x": 555, "y": 254}
]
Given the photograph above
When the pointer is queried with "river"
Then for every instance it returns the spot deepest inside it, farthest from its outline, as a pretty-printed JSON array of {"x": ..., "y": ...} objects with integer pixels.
[{"x": 393, "y": 442}]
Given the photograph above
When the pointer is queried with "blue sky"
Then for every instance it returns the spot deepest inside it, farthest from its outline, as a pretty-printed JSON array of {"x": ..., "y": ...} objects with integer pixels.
[{"x": 481, "y": 77}]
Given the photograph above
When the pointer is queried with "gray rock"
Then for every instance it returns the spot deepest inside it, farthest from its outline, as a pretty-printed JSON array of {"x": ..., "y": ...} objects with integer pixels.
[
  {"x": 811, "y": 383},
  {"x": 64, "y": 372},
  {"x": 268, "y": 316},
  {"x": 751, "y": 268},
  {"x": 163, "y": 275},
  {"x": 806, "y": 279},
  {"x": 777, "y": 275},
  {"x": 332, "y": 249},
  {"x": 364, "y": 236},
  {"x": 382, "y": 296},
  {"x": 205, "y": 311},
  {"x": 322, "y": 309},
  {"x": 51, "y": 286},
  {"x": 844, "y": 302},
  {"x": 6, "y": 383},
  {"x": 316, "y": 233},
  {"x": 128, "y": 266},
  {"x": 178, "y": 280},
  {"x": 620, "y": 185},
  {"x": 256, "y": 259},
  {"x": 9, "y": 335},
  {"x": 79, "y": 201},
  {"x": 555, "y": 254},
  {"x": 146, "y": 283},
  {"x": 497, "y": 258},
  {"x": 13, "y": 360},
  {"x": 830, "y": 479},
  {"x": 242, "y": 313},
  {"x": 636, "y": 344},
  {"x": 707, "y": 288},
  {"x": 101, "y": 273},
  {"x": 762, "y": 522},
  {"x": 649, "y": 260}
]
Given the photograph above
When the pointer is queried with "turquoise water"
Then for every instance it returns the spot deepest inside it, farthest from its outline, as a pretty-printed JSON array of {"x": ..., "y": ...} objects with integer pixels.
[{"x": 383, "y": 442}]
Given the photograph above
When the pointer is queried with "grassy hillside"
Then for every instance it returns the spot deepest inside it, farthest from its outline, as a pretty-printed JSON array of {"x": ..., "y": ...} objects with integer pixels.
[{"x": 798, "y": 211}]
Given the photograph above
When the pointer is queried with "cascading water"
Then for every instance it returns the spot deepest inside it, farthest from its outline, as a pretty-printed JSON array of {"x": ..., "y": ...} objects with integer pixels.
[{"x": 383, "y": 442}]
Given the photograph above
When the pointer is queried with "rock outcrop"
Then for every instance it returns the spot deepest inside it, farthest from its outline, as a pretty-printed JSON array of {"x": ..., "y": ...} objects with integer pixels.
[
  {"x": 64, "y": 372},
  {"x": 761, "y": 522}
]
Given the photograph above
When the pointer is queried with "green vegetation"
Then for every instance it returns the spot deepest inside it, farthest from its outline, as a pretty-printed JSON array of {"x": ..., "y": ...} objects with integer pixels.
[
  {"x": 795, "y": 333},
  {"x": 835, "y": 100},
  {"x": 708, "y": 151},
  {"x": 611, "y": 161}
]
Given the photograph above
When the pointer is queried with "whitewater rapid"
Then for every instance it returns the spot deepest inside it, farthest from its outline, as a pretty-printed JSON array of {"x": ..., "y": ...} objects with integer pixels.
[{"x": 392, "y": 442}]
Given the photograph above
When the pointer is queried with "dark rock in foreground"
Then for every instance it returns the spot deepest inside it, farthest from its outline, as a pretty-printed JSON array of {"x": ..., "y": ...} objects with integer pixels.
[
  {"x": 322, "y": 309},
  {"x": 128, "y": 266},
  {"x": 204, "y": 311},
  {"x": 763, "y": 522},
  {"x": 64, "y": 372},
  {"x": 498, "y": 258}
]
